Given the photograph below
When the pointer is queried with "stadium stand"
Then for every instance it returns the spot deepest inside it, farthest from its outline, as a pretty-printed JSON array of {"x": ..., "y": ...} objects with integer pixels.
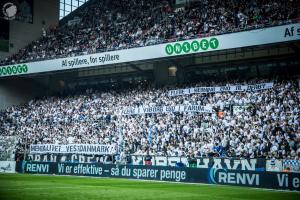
[
  {"x": 112, "y": 25},
  {"x": 268, "y": 127}
]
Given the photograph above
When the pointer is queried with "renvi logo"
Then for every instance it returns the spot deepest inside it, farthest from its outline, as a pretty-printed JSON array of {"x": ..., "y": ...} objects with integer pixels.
[
  {"x": 194, "y": 46},
  {"x": 222, "y": 176},
  {"x": 37, "y": 167},
  {"x": 13, "y": 70}
]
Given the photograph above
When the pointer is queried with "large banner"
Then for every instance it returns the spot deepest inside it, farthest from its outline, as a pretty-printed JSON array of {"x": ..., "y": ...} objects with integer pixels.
[
  {"x": 221, "y": 42},
  {"x": 165, "y": 109},
  {"x": 254, "y": 164},
  {"x": 257, "y": 179},
  {"x": 230, "y": 88},
  {"x": 93, "y": 149}
]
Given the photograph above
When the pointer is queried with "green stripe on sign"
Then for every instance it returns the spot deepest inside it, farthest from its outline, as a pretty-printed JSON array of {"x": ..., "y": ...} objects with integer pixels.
[
  {"x": 177, "y": 48},
  {"x": 195, "y": 46},
  {"x": 14, "y": 69},
  {"x": 25, "y": 68},
  {"x": 186, "y": 47},
  {"x": 204, "y": 44},
  {"x": 9, "y": 70},
  {"x": 213, "y": 43},
  {"x": 169, "y": 49},
  {"x": 19, "y": 69},
  {"x": 4, "y": 71}
]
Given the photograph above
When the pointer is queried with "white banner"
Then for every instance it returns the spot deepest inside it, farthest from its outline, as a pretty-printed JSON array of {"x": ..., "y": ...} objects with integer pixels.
[
  {"x": 92, "y": 149},
  {"x": 221, "y": 42},
  {"x": 274, "y": 165},
  {"x": 231, "y": 88},
  {"x": 7, "y": 166},
  {"x": 165, "y": 109},
  {"x": 239, "y": 109}
]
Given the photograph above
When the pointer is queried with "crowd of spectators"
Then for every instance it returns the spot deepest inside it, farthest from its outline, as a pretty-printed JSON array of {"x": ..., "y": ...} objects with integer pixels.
[
  {"x": 267, "y": 126},
  {"x": 7, "y": 147},
  {"x": 107, "y": 25}
]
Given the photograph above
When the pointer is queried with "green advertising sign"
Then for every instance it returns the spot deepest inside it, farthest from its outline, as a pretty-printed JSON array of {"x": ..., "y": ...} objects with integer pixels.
[
  {"x": 13, "y": 70},
  {"x": 193, "y": 46}
]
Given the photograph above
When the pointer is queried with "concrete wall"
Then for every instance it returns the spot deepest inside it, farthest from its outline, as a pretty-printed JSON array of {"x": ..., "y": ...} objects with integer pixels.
[
  {"x": 4, "y": 54},
  {"x": 162, "y": 75},
  {"x": 21, "y": 34},
  {"x": 16, "y": 91},
  {"x": 20, "y": 90}
]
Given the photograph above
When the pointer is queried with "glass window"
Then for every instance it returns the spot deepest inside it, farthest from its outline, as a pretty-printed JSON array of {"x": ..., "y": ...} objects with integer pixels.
[
  {"x": 81, "y": 2},
  {"x": 68, "y": 6}
]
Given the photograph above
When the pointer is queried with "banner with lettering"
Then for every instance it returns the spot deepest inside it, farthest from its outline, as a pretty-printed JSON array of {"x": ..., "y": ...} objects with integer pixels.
[
  {"x": 231, "y": 88},
  {"x": 255, "y": 179},
  {"x": 92, "y": 149},
  {"x": 165, "y": 109}
]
